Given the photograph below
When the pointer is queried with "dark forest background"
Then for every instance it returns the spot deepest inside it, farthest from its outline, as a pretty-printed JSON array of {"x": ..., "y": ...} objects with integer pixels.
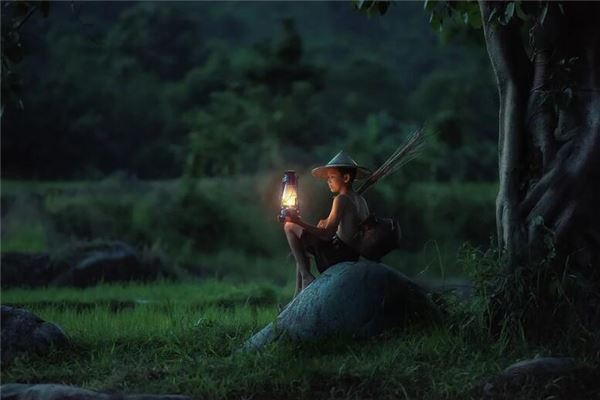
[
  {"x": 169, "y": 124},
  {"x": 156, "y": 90}
]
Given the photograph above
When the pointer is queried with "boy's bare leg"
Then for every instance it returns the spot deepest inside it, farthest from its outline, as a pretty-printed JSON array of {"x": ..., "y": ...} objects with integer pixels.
[
  {"x": 293, "y": 232},
  {"x": 298, "y": 281}
]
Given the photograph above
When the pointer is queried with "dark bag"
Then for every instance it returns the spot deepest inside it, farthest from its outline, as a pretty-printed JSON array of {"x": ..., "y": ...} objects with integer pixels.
[{"x": 379, "y": 236}]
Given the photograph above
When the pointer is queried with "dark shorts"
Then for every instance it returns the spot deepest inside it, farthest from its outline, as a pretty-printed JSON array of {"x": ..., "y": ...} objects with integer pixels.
[{"x": 328, "y": 252}]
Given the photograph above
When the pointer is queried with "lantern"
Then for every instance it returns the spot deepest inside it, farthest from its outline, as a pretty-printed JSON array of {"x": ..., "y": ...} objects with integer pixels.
[{"x": 289, "y": 195}]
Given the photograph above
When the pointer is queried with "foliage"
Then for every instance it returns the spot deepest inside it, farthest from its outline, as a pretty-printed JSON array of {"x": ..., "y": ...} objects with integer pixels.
[
  {"x": 183, "y": 219},
  {"x": 452, "y": 16},
  {"x": 14, "y": 15},
  {"x": 159, "y": 91},
  {"x": 430, "y": 211},
  {"x": 158, "y": 40},
  {"x": 376, "y": 7},
  {"x": 268, "y": 107},
  {"x": 535, "y": 303},
  {"x": 448, "y": 14},
  {"x": 227, "y": 226}
]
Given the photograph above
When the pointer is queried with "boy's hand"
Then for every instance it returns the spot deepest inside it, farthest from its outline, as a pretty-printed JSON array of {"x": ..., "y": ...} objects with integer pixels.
[
  {"x": 322, "y": 223},
  {"x": 292, "y": 218}
]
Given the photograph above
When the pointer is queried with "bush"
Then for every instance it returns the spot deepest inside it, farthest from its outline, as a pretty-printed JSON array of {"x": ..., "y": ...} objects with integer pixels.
[
  {"x": 197, "y": 221},
  {"x": 454, "y": 212}
]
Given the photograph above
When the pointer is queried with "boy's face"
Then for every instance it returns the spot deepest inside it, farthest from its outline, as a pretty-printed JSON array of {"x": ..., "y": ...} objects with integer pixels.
[{"x": 335, "y": 180}]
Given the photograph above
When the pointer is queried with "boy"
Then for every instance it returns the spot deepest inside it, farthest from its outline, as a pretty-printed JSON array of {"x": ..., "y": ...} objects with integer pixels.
[{"x": 334, "y": 239}]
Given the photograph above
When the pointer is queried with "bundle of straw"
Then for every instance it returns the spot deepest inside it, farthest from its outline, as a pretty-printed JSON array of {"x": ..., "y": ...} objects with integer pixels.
[{"x": 402, "y": 155}]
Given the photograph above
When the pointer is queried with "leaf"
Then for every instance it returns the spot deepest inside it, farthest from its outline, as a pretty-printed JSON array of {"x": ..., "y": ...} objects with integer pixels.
[
  {"x": 21, "y": 8},
  {"x": 13, "y": 52},
  {"x": 560, "y": 7},
  {"x": 44, "y": 7},
  {"x": 383, "y": 6},
  {"x": 474, "y": 16},
  {"x": 476, "y": 21},
  {"x": 458, "y": 6},
  {"x": 545, "y": 98},
  {"x": 492, "y": 14},
  {"x": 466, "y": 18},
  {"x": 543, "y": 14},
  {"x": 365, "y": 4},
  {"x": 520, "y": 13},
  {"x": 509, "y": 11},
  {"x": 429, "y": 5},
  {"x": 435, "y": 21},
  {"x": 568, "y": 92}
]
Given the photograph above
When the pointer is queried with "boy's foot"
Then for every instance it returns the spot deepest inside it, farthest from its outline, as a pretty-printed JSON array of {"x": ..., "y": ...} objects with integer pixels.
[
  {"x": 281, "y": 307},
  {"x": 307, "y": 281}
]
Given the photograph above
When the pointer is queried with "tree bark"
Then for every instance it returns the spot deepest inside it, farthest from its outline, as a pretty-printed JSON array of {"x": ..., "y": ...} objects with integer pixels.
[
  {"x": 549, "y": 164},
  {"x": 513, "y": 74},
  {"x": 548, "y": 204}
]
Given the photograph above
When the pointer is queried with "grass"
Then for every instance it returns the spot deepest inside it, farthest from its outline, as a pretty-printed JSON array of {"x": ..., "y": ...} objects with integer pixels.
[{"x": 183, "y": 339}]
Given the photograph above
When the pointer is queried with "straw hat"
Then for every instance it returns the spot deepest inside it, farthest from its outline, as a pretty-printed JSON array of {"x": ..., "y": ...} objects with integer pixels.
[{"x": 341, "y": 160}]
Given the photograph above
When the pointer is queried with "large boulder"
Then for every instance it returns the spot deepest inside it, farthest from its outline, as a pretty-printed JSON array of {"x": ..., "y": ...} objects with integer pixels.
[
  {"x": 357, "y": 299},
  {"x": 544, "y": 377},
  {"x": 50, "y": 391},
  {"x": 23, "y": 332}
]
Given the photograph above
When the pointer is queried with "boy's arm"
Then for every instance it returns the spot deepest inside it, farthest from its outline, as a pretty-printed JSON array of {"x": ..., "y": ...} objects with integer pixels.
[{"x": 332, "y": 221}]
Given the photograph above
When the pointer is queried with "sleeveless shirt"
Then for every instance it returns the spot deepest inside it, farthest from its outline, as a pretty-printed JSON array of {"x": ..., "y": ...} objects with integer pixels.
[{"x": 355, "y": 211}]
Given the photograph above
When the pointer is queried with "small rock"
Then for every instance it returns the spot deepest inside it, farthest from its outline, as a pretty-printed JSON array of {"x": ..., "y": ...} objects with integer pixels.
[
  {"x": 540, "y": 366},
  {"x": 50, "y": 391},
  {"x": 544, "y": 377},
  {"x": 23, "y": 332}
]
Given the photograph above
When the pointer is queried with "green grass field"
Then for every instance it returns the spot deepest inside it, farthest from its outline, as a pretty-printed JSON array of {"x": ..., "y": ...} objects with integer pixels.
[{"x": 182, "y": 338}]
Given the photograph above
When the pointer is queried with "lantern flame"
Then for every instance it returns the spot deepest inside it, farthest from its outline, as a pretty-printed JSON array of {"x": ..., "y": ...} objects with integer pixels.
[{"x": 289, "y": 198}]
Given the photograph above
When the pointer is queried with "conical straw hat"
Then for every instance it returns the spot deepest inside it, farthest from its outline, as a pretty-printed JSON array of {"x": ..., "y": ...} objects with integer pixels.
[{"x": 341, "y": 160}]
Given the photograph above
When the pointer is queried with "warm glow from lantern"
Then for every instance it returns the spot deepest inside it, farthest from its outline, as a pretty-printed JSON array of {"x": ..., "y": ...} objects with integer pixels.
[{"x": 289, "y": 198}]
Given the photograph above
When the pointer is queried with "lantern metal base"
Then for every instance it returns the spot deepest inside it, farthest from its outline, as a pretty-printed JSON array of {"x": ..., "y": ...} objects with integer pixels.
[{"x": 286, "y": 212}]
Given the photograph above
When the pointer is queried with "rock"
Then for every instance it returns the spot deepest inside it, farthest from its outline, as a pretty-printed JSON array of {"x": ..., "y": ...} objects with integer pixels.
[
  {"x": 462, "y": 289},
  {"x": 22, "y": 269},
  {"x": 81, "y": 265},
  {"x": 545, "y": 377},
  {"x": 358, "y": 299},
  {"x": 539, "y": 367},
  {"x": 92, "y": 263},
  {"x": 23, "y": 332},
  {"x": 50, "y": 391}
]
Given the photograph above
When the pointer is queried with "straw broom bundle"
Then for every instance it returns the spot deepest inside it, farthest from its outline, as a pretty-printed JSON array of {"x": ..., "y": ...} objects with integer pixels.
[{"x": 400, "y": 157}]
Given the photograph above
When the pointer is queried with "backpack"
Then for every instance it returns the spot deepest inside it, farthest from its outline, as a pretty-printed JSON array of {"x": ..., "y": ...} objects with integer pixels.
[{"x": 379, "y": 236}]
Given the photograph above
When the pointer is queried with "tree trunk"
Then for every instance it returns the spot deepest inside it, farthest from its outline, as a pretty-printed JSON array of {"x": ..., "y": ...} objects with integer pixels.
[{"x": 548, "y": 204}]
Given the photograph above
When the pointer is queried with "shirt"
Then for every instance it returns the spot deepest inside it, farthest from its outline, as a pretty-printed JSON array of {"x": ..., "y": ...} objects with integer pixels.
[{"x": 355, "y": 211}]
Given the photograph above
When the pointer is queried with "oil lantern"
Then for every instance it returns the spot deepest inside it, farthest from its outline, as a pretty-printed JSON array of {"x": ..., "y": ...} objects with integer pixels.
[{"x": 289, "y": 195}]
